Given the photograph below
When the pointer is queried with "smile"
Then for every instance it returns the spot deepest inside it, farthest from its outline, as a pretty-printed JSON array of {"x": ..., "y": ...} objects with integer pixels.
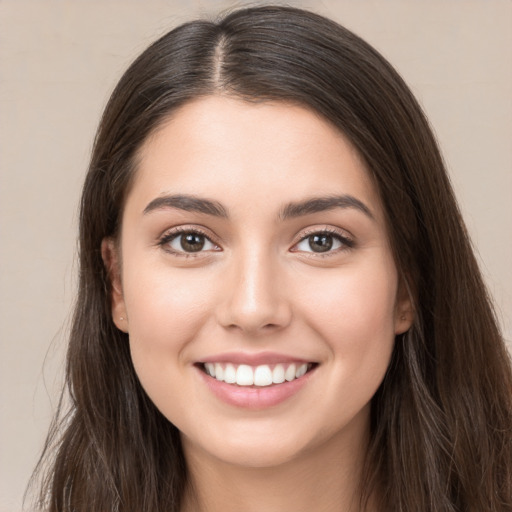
[
  {"x": 258, "y": 376},
  {"x": 255, "y": 381}
]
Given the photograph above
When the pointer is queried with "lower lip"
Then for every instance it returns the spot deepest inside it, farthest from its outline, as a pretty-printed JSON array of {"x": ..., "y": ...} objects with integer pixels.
[{"x": 255, "y": 397}]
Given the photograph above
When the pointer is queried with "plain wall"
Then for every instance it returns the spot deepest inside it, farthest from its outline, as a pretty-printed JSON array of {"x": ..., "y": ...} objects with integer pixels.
[{"x": 59, "y": 60}]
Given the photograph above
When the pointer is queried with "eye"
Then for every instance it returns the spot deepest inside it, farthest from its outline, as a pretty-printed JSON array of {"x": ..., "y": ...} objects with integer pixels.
[
  {"x": 323, "y": 242},
  {"x": 187, "y": 242}
]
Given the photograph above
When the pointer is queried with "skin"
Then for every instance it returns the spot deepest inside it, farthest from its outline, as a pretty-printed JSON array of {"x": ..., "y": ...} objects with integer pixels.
[{"x": 257, "y": 286}]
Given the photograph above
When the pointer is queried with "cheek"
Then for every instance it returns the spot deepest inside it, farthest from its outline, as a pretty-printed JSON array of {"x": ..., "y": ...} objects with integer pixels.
[
  {"x": 358, "y": 300},
  {"x": 165, "y": 310},
  {"x": 159, "y": 297},
  {"x": 354, "y": 313}
]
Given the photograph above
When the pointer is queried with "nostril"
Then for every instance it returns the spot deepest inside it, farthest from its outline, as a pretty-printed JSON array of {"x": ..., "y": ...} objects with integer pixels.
[{"x": 263, "y": 319}]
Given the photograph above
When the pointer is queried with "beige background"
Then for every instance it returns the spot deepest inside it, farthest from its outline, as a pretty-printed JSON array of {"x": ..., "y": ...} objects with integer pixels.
[{"x": 59, "y": 61}]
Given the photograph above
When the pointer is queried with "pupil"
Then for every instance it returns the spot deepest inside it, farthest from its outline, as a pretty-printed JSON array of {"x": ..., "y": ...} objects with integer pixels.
[
  {"x": 320, "y": 243},
  {"x": 192, "y": 242}
]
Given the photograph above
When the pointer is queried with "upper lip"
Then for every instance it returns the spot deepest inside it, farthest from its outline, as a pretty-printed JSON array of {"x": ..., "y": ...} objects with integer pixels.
[{"x": 255, "y": 359}]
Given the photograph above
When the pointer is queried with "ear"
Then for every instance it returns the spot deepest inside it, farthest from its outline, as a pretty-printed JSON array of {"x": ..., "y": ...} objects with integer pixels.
[
  {"x": 404, "y": 309},
  {"x": 111, "y": 260}
]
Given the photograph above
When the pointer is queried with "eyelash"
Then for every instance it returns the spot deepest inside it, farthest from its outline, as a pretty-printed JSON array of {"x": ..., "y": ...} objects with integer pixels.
[
  {"x": 168, "y": 237},
  {"x": 346, "y": 242}
]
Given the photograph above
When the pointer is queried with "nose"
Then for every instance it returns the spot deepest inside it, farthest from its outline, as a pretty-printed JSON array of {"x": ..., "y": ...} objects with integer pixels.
[{"x": 254, "y": 298}]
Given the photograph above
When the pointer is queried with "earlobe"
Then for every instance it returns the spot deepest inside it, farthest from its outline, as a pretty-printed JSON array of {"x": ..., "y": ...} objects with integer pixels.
[
  {"x": 403, "y": 321},
  {"x": 111, "y": 260},
  {"x": 404, "y": 311}
]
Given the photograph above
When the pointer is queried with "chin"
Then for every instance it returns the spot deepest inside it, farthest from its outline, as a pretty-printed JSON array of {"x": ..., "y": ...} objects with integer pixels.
[
  {"x": 258, "y": 456},
  {"x": 247, "y": 448},
  {"x": 260, "y": 445}
]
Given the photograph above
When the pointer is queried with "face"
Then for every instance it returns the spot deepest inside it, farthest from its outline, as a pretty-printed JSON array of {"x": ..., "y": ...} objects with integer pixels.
[{"x": 257, "y": 284}]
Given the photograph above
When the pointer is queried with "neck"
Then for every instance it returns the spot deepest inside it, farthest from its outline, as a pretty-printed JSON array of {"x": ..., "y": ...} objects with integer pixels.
[{"x": 323, "y": 479}]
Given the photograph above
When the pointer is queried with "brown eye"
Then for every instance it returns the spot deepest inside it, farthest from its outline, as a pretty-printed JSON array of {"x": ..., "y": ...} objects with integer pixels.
[
  {"x": 192, "y": 242},
  {"x": 188, "y": 242},
  {"x": 321, "y": 242}
]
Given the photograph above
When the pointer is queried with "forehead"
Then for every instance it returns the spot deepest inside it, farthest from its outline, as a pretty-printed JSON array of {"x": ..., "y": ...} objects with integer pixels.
[{"x": 263, "y": 153}]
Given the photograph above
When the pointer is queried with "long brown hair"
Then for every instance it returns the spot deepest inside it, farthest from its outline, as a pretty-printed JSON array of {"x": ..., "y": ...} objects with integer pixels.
[{"x": 441, "y": 423}]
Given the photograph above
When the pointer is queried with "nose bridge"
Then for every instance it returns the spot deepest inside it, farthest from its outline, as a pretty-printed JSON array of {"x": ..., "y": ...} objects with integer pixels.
[{"x": 254, "y": 299}]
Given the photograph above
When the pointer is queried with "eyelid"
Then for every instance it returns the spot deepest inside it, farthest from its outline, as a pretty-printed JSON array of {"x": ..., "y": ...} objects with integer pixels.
[
  {"x": 172, "y": 233},
  {"x": 346, "y": 239}
]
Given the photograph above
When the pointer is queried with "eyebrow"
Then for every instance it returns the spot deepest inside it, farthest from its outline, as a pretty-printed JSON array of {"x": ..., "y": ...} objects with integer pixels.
[
  {"x": 187, "y": 203},
  {"x": 321, "y": 204},
  {"x": 192, "y": 203}
]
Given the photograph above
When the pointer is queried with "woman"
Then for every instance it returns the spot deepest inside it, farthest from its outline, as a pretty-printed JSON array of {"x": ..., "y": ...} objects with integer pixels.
[{"x": 279, "y": 307}]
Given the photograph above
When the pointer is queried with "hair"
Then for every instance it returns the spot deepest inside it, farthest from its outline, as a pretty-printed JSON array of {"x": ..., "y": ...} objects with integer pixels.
[{"x": 441, "y": 421}]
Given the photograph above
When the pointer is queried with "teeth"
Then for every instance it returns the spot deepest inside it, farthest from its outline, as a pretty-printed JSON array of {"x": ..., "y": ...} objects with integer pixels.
[
  {"x": 289, "y": 374},
  {"x": 263, "y": 375},
  {"x": 219, "y": 372},
  {"x": 278, "y": 374},
  {"x": 230, "y": 374},
  {"x": 210, "y": 369},
  {"x": 244, "y": 375},
  {"x": 301, "y": 370}
]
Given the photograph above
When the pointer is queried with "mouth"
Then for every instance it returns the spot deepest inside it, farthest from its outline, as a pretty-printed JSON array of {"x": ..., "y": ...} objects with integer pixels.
[{"x": 260, "y": 376}]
